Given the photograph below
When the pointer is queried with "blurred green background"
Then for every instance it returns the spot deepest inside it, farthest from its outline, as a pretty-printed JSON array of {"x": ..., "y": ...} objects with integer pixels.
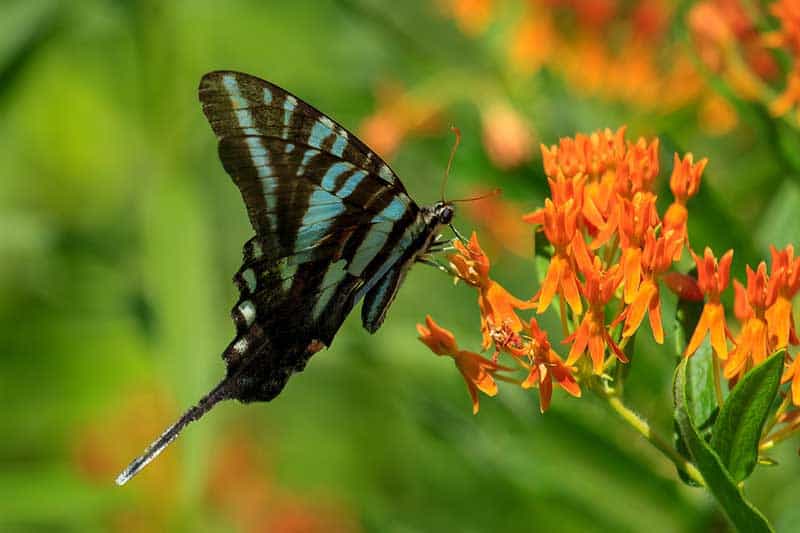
[{"x": 120, "y": 231}]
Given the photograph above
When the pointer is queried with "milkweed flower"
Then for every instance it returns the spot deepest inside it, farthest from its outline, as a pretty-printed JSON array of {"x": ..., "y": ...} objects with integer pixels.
[
  {"x": 398, "y": 115},
  {"x": 657, "y": 257},
  {"x": 609, "y": 249},
  {"x": 637, "y": 217},
  {"x": 752, "y": 343},
  {"x": 506, "y": 137},
  {"x": 498, "y": 307},
  {"x": 592, "y": 333},
  {"x": 712, "y": 278},
  {"x": 788, "y": 36},
  {"x": 684, "y": 183},
  {"x": 560, "y": 226},
  {"x": 545, "y": 366},
  {"x": 471, "y": 16},
  {"x": 477, "y": 371},
  {"x": 784, "y": 283},
  {"x": 792, "y": 373}
]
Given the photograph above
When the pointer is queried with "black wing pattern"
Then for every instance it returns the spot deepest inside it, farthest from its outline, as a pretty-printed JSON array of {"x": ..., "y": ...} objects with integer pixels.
[
  {"x": 331, "y": 218},
  {"x": 332, "y": 224}
]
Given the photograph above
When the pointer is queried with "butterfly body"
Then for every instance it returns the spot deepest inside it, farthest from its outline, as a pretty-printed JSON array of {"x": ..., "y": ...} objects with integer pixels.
[{"x": 333, "y": 226}]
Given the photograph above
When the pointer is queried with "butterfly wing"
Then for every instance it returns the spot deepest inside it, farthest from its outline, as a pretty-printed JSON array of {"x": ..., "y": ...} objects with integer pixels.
[
  {"x": 330, "y": 216},
  {"x": 332, "y": 224}
]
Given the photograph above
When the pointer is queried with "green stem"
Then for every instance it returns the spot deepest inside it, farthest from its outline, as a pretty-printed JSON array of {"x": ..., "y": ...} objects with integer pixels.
[
  {"x": 661, "y": 444},
  {"x": 784, "y": 404},
  {"x": 778, "y": 436},
  {"x": 563, "y": 312},
  {"x": 717, "y": 381}
]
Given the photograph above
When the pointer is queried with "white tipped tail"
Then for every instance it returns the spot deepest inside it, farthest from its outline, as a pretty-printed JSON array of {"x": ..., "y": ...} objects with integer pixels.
[{"x": 208, "y": 401}]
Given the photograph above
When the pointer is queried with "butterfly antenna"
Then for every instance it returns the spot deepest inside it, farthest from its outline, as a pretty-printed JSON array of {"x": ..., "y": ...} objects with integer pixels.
[
  {"x": 217, "y": 394},
  {"x": 495, "y": 192},
  {"x": 457, "y": 133}
]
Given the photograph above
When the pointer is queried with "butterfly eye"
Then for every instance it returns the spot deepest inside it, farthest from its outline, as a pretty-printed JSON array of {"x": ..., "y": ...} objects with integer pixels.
[{"x": 446, "y": 214}]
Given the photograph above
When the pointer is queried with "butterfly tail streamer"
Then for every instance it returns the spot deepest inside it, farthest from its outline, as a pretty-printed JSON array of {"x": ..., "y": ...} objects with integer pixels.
[{"x": 217, "y": 394}]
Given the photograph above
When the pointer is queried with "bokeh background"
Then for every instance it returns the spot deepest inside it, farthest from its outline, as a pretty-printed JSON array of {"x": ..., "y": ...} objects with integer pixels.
[{"x": 120, "y": 231}]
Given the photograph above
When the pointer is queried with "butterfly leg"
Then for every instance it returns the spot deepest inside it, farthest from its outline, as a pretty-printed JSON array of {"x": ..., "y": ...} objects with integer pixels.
[{"x": 458, "y": 234}]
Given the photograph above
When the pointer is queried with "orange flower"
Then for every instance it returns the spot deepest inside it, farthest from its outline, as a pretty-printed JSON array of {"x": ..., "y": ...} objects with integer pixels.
[
  {"x": 711, "y": 32},
  {"x": 506, "y": 136},
  {"x": 657, "y": 257},
  {"x": 497, "y": 305},
  {"x": 752, "y": 344},
  {"x": 441, "y": 341},
  {"x": 788, "y": 12},
  {"x": 637, "y": 217},
  {"x": 792, "y": 373},
  {"x": 784, "y": 283},
  {"x": 789, "y": 98},
  {"x": 592, "y": 332},
  {"x": 477, "y": 371},
  {"x": 684, "y": 183},
  {"x": 639, "y": 167},
  {"x": 560, "y": 225},
  {"x": 788, "y": 35},
  {"x": 685, "y": 179},
  {"x": 533, "y": 42},
  {"x": 545, "y": 366},
  {"x": 712, "y": 279},
  {"x": 398, "y": 115},
  {"x": 471, "y": 16},
  {"x": 584, "y": 154}
]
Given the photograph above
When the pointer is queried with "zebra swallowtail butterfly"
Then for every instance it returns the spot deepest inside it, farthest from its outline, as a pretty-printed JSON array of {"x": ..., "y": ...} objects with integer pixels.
[{"x": 333, "y": 225}]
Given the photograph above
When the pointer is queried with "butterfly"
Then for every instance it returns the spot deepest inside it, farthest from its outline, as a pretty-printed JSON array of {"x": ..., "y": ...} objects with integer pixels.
[{"x": 333, "y": 226}]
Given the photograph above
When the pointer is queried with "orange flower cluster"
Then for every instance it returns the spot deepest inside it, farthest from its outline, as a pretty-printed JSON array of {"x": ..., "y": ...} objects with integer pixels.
[
  {"x": 727, "y": 37},
  {"x": 610, "y": 249},
  {"x": 763, "y": 308},
  {"x": 719, "y": 25},
  {"x": 788, "y": 13},
  {"x": 572, "y": 37},
  {"x": 607, "y": 235},
  {"x": 524, "y": 342}
]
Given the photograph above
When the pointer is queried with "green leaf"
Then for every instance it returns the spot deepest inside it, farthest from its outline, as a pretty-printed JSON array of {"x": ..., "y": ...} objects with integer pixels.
[
  {"x": 701, "y": 398},
  {"x": 700, "y": 395},
  {"x": 701, "y": 401},
  {"x": 738, "y": 428},
  {"x": 719, "y": 482}
]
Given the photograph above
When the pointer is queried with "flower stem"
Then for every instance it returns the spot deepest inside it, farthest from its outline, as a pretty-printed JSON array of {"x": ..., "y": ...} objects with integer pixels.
[
  {"x": 778, "y": 436},
  {"x": 717, "y": 382},
  {"x": 784, "y": 404},
  {"x": 563, "y": 312},
  {"x": 661, "y": 444}
]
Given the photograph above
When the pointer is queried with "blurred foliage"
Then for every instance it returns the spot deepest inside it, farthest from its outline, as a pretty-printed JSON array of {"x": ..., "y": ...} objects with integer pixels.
[{"x": 119, "y": 232}]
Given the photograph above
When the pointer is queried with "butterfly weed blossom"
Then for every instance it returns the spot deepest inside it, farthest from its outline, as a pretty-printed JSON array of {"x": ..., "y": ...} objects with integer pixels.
[{"x": 611, "y": 254}]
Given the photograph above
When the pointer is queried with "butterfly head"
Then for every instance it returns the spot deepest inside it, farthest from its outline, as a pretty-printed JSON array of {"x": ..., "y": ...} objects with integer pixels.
[{"x": 443, "y": 212}]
